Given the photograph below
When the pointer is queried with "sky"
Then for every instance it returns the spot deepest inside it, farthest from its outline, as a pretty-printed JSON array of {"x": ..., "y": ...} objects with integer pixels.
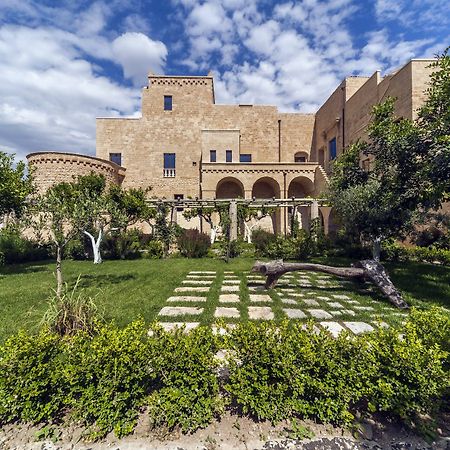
[{"x": 63, "y": 63}]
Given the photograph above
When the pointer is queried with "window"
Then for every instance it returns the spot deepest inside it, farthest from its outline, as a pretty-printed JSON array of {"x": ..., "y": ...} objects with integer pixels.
[
  {"x": 212, "y": 156},
  {"x": 167, "y": 103},
  {"x": 245, "y": 158},
  {"x": 301, "y": 157},
  {"x": 332, "y": 148},
  {"x": 229, "y": 156},
  {"x": 169, "y": 165},
  {"x": 116, "y": 158}
]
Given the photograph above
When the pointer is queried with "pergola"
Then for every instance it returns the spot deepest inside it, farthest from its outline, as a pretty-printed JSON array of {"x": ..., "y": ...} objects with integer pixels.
[{"x": 282, "y": 203}]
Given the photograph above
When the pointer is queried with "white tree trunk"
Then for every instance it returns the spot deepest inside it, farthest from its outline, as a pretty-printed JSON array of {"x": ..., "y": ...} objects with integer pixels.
[
  {"x": 96, "y": 245},
  {"x": 248, "y": 232},
  {"x": 376, "y": 248},
  {"x": 213, "y": 233}
]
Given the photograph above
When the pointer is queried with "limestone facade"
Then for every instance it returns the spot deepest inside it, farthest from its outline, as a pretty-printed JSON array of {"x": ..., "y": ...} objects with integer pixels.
[{"x": 185, "y": 145}]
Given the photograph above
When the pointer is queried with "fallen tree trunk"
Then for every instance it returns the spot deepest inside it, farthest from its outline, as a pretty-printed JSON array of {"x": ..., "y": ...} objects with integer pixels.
[{"x": 367, "y": 269}]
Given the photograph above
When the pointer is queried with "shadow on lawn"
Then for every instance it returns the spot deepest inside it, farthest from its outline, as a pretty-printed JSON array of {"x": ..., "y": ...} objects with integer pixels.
[
  {"x": 426, "y": 282},
  {"x": 31, "y": 267},
  {"x": 99, "y": 280}
]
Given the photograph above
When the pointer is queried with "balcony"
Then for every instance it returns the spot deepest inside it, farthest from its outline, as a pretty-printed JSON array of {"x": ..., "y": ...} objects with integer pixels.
[{"x": 169, "y": 173}]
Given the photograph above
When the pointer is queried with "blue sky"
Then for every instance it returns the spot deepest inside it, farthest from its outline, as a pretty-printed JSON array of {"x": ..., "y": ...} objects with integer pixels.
[{"x": 63, "y": 63}]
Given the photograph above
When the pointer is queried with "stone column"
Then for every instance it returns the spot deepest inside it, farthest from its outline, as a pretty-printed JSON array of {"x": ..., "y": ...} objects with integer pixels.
[
  {"x": 314, "y": 210},
  {"x": 326, "y": 210},
  {"x": 233, "y": 220}
]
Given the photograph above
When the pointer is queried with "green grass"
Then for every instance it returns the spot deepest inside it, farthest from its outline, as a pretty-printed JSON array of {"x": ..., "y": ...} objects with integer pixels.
[{"x": 125, "y": 290}]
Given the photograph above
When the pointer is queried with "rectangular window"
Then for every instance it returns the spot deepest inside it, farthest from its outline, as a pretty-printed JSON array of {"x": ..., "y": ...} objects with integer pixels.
[
  {"x": 229, "y": 156},
  {"x": 212, "y": 156},
  {"x": 299, "y": 159},
  {"x": 167, "y": 103},
  {"x": 332, "y": 148},
  {"x": 245, "y": 158},
  {"x": 169, "y": 160},
  {"x": 179, "y": 197},
  {"x": 116, "y": 158}
]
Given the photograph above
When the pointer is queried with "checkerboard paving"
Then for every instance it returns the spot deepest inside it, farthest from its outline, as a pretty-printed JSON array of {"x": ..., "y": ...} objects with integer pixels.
[{"x": 333, "y": 304}]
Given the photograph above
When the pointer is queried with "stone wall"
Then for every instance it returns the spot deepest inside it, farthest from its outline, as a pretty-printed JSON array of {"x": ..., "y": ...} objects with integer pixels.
[{"x": 52, "y": 167}]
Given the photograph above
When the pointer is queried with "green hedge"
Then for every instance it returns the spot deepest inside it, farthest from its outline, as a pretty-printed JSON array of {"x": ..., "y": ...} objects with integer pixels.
[
  {"x": 276, "y": 371},
  {"x": 393, "y": 251}
]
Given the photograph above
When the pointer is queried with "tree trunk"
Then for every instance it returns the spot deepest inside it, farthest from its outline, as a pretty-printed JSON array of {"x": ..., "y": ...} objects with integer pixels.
[
  {"x": 96, "y": 246},
  {"x": 376, "y": 248},
  {"x": 366, "y": 269},
  {"x": 59, "y": 276}
]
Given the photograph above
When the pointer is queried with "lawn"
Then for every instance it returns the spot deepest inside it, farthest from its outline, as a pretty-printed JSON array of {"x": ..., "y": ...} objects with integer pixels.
[{"x": 125, "y": 290}]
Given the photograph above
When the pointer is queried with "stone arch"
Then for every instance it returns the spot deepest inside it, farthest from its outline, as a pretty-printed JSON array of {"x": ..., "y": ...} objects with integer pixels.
[
  {"x": 333, "y": 223},
  {"x": 263, "y": 188},
  {"x": 229, "y": 187},
  {"x": 300, "y": 187},
  {"x": 301, "y": 157},
  {"x": 266, "y": 187}
]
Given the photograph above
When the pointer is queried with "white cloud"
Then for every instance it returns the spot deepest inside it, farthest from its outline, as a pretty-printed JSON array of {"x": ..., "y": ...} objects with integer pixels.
[
  {"x": 138, "y": 54},
  {"x": 51, "y": 94}
]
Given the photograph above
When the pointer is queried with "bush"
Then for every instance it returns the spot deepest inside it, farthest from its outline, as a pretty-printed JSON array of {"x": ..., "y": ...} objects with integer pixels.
[
  {"x": 276, "y": 371},
  {"x": 193, "y": 244},
  {"x": 392, "y": 251},
  {"x": 78, "y": 250},
  {"x": 189, "y": 389},
  {"x": 123, "y": 245},
  {"x": 299, "y": 248},
  {"x": 154, "y": 249},
  {"x": 17, "y": 249},
  {"x": 293, "y": 371},
  {"x": 262, "y": 239},
  {"x": 30, "y": 378},
  {"x": 109, "y": 376}
]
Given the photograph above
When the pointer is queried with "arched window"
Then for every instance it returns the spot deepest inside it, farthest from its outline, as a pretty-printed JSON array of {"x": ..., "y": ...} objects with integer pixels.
[{"x": 301, "y": 157}]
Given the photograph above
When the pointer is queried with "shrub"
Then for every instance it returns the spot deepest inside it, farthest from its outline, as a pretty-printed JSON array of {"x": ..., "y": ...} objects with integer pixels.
[
  {"x": 261, "y": 239},
  {"x": 77, "y": 250},
  {"x": 30, "y": 378},
  {"x": 392, "y": 251},
  {"x": 155, "y": 249},
  {"x": 123, "y": 245},
  {"x": 299, "y": 248},
  {"x": 17, "y": 249},
  {"x": 193, "y": 244},
  {"x": 2, "y": 259},
  {"x": 189, "y": 389},
  {"x": 293, "y": 371},
  {"x": 230, "y": 249},
  {"x": 109, "y": 376}
]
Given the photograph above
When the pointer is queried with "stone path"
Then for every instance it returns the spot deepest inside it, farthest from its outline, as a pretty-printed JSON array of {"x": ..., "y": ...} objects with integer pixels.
[{"x": 332, "y": 303}]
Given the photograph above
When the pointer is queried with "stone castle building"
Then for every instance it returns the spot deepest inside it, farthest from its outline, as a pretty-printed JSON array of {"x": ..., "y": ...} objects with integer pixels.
[{"x": 185, "y": 145}]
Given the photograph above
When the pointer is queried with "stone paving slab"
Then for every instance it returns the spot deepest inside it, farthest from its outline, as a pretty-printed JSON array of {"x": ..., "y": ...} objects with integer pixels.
[
  {"x": 260, "y": 298},
  {"x": 201, "y": 277},
  {"x": 221, "y": 330},
  {"x": 192, "y": 289},
  {"x": 256, "y": 288},
  {"x": 320, "y": 314},
  {"x": 335, "y": 305},
  {"x": 294, "y": 313},
  {"x": 310, "y": 302},
  {"x": 226, "y": 312},
  {"x": 230, "y": 277},
  {"x": 186, "y": 298},
  {"x": 198, "y": 282},
  {"x": 333, "y": 327},
  {"x": 180, "y": 311},
  {"x": 358, "y": 327},
  {"x": 340, "y": 297},
  {"x": 288, "y": 301},
  {"x": 202, "y": 272},
  {"x": 323, "y": 298},
  {"x": 231, "y": 281},
  {"x": 229, "y": 288},
  {"x": 335, "y": 313},
  {"x": 353, "y": 302},
  {"x": 228, "y": 271},
  {"x": 364, "y": 308},
  {"x": 296, "y": 294},
  {"x": 349, "y": 312},
  {"x": 260, "y": 312},
  {"x": 228, "y": 298},
  {"x": 169, "y": 326}
]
